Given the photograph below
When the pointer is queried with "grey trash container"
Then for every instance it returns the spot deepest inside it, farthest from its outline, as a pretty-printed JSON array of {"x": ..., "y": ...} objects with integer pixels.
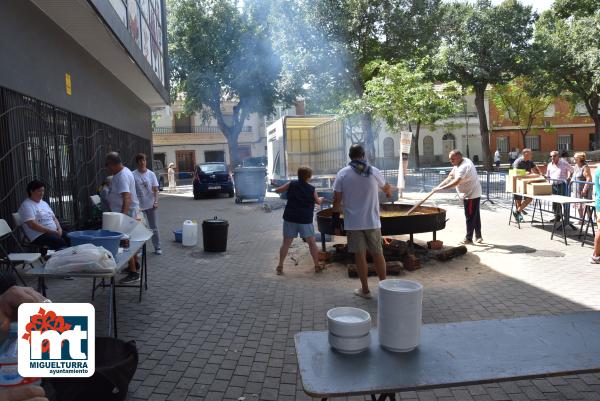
[{"x": 250, "y": 183}]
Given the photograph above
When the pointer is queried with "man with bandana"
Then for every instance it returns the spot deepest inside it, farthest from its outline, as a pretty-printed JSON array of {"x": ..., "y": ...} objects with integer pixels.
[{"x": 356, "y": 193}]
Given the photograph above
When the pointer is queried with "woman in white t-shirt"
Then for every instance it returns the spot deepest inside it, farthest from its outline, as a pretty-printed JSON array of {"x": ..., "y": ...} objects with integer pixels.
[
  {"x": 40, "y": 224},
  {"x": 146, "y": 186}
]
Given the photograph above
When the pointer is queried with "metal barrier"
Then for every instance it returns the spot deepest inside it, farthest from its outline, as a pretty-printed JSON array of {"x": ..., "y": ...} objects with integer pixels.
[{"x": 62, "y": 149}]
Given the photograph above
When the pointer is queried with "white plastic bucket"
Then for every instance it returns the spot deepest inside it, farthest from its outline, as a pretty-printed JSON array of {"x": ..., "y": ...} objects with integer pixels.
[
  {"x": 189, "y": 233},
  {"x": 400, "y": 308},
  {"x": 112, "y": 221}
]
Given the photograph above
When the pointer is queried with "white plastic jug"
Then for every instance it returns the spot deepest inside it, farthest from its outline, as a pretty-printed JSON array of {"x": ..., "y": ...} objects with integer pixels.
[{"x": 189, "y": 233}]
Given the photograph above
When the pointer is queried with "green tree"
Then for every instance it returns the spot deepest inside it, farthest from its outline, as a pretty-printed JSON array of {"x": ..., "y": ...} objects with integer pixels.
[
  {"x": 403, "y": 95},
  {"x": 341, "y": 37},
  {"x": 569, "y": 52},
  {"x": 577, "y": 8},
  {"x": 486, "y": 45},
  {"x": 221, "y": 51},
  {"x": 518, "y": 101}
]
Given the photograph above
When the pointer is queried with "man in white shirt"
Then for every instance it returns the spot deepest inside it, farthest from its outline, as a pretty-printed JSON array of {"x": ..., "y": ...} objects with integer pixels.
[
  {"x": 356, "y": 191},
  {"x": 122, "y": 198},
  {"x": 464, "y": 177},
  {"x": 497, "y": 158},
  {"x": 146, "y": 186}
]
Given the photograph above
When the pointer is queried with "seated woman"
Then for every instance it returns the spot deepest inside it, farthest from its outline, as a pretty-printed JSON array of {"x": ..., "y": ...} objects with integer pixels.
[{"x": 39, "y": 222}]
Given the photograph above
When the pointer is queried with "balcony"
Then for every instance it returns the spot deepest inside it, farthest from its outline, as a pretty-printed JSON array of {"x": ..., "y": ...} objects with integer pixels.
[{"x": 195, "y": 129}]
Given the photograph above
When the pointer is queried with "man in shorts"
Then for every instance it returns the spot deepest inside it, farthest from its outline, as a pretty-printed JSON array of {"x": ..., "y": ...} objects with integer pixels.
[
  {"x": 526, "y": 163},
  {"x": 356, "y": 193},
  {"x": 122, "y": 198}
]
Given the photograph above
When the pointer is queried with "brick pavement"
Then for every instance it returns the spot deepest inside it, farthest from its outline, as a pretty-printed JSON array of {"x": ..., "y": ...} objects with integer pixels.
[{"x": 215, "y": 327}]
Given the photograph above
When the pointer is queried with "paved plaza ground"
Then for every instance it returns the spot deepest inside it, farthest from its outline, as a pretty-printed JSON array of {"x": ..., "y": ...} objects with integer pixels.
[{"x": 221, "y": 326}]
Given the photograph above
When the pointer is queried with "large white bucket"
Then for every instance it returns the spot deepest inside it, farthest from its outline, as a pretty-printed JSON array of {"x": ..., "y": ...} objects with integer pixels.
[
  {"x": 400, "y": 308},
  {"x": 189, "y": 236},
  {"x": 122, "y": 223},
  {"x": 112, "y": 221}
]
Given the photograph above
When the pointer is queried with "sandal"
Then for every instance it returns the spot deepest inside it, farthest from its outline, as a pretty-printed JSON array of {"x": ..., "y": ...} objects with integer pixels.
[
  {"x": 279, "y": 270},
  {"x": 319, "y": 268}
]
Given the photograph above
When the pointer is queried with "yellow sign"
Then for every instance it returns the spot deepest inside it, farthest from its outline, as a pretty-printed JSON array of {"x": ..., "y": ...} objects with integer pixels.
[{"x": 68, "y": 83}]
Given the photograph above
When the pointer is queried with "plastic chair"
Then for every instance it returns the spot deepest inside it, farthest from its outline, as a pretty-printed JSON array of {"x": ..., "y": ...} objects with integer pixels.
[
  {"x": 14, "y": 259},
  {"x": 23, "y": 240}
]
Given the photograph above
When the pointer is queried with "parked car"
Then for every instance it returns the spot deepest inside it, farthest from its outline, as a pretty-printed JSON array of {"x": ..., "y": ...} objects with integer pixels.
[
  {"x": 260, "y": 161},
  {"x": 161, "y": 173},
  {"x": 212, "y": 178}
]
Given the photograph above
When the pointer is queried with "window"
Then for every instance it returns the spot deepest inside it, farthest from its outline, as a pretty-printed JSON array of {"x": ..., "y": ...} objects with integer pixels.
[
  {"x": 532, "y": 142},
  {"x": 388, "y": 147},
  {"x": 214, "y": 156},
  {"x": 550, "y": 111},
  {"x": 580, "y": 109},
  {"x": 212, "y": 168},
  {"x": 565, "y": 142},
  {"x": 502, "y": 144}
]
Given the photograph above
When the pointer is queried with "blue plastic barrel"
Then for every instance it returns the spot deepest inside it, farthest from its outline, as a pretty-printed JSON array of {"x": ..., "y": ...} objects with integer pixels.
[
  {"x": 178, "y": 235},
  {"x": 104, "y": 238}
]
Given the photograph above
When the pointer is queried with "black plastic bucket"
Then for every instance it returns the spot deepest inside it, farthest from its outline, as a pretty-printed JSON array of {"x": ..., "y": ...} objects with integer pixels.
[
  {"x": 214, "y": 235},
  {"x": 116, "y": 362}
]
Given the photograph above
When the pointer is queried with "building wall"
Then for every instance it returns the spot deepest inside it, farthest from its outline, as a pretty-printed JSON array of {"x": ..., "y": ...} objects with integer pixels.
[
  {"x": 36, "y": 55},
  {"x": 465, "y": 131},
  {"x": 168, "y": 142},
  {"x": 563, "y": 122}
]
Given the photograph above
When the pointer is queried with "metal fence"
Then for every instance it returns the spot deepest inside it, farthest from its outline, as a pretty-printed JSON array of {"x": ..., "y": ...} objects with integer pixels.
[
  {"x": 493, "y": 187},
  {"x": 195, "y": 129},
  {"x": 62, "y": 149}
]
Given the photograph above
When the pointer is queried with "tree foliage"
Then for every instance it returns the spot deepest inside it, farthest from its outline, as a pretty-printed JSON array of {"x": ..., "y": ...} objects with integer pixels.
[
  {"x": 570, "y": 55},
  {"x": 221, "y": 51},
  {"x": 486, "y": 45},
  {"x": 401, "y": 94},
  {"x": 339, "y": 38},
  {"x": 518, "y": 101}
]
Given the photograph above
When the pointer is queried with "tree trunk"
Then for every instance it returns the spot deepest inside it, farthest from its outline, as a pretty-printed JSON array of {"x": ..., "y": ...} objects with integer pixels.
[
  {"x": 232, "y": 145},
  {"x": 231, "y": 133},
  {"x": 366, "y": 122},
  {"x": 597, "y": 128},
  {"x": 483, "y": 127},
  {"x": 416, "y": 142},
  {"x": 594, "y": 101}
]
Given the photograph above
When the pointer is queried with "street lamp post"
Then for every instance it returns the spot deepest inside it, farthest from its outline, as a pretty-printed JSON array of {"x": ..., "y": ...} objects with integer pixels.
[{"x": 467, "y": 125}]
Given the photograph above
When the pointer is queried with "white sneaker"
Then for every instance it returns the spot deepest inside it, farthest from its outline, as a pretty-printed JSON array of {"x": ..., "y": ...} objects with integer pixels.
[
  {"x": 595, "y": 260},
  {"x": 158, "y": 252},
  {"x": 359, "y": 293}
]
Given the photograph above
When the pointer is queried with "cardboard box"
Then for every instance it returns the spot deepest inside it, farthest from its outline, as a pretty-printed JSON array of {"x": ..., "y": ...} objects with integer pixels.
[
  {"x": 522, "y": 184},
  {"x": 516, "y": 171},
  {"x": 539, "y": 188},
  {"x": 511, "y": 181}
]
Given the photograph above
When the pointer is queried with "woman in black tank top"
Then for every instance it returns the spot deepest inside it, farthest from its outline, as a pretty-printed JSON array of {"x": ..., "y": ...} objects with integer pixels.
[{"x": 298, "y": 216}]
